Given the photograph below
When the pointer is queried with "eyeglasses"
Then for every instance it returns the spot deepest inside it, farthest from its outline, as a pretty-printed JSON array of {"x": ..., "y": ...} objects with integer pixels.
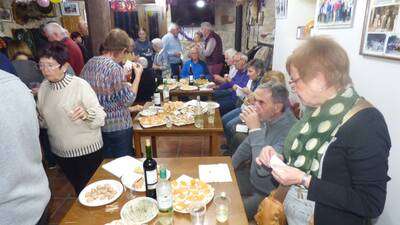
[
  {"x": 43, "y": 66},
  {"x": 294, "y": 81}
]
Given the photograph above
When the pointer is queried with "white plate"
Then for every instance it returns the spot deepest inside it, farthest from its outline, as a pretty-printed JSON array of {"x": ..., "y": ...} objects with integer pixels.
[
  {"x": 188, "y": 88},
  {"x": 214, "y": 105},
  {"x": 128, "y": 179},
  {"x": 148, "y": 112},
  {"x": 130, "y": 209},
  {"x": 117, "y": 186}
]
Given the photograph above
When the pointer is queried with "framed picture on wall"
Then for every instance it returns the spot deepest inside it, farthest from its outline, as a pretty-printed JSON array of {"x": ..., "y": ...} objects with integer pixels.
[
  {"x": 70, "y": 9},
  {"x": 381, "y": 32},
  {"x": 335, "y": 13},
  {"x": 281, "y": 9},
  {"x": 5, "y": 15}
]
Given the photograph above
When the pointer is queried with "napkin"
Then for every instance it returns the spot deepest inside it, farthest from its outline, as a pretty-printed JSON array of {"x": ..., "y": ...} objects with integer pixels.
[
  {"x": 215, "y": 173},
  {"x": 121, "y": 165}
]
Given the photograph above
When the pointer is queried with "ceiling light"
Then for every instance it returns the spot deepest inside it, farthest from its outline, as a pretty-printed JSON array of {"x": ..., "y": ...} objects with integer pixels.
[{"x": 200, "y": 3}]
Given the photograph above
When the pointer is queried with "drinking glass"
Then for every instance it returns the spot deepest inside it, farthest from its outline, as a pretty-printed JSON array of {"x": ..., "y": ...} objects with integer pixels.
[
  {"x": 222, "y": 203},
  {"x": 168, "y": 122},
  {"x": 211, "y": 114},
  {"x": 197, "y": 213}
]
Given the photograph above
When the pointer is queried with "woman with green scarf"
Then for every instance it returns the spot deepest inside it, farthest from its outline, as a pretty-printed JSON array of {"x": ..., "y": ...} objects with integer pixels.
[{"x": 336, "y": 155}]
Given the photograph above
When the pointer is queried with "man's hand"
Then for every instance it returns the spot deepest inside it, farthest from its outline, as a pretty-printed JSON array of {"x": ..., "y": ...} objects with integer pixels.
[
  {"x": 227, "y": 78},
  {"x": 218, "y": 79},
  {"x": 265, "y": 156},
  {"x": 156, "y": 67},
  {"x": 177, "y": 54},
  {"x": 246, "y": 90},
  {"x": 138, "y": 70},
  {"x": 250, "y": 117},
  {"x": 235, "y": 87}
]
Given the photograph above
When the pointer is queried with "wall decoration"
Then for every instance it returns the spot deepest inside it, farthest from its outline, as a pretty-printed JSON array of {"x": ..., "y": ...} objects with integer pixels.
[
  {"x": 335, "y": 13},
  {"x": 5, "y": 15},
  {"x": 381, "y": 33},
  {"x": 281, "y": 9},
  {"x": 70, "y": 9}
]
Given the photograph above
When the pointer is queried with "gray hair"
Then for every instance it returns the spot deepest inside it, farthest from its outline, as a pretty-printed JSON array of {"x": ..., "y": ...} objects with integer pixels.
[
  {"x": 172, "y": 26},
  {"x": 53, "y": 27},
  {"x": 243, "y": 56},
  {"x": 206, "y": 25},
  {"x": 279, "y": 92},
  {"x": 157, "y": 42},
  {"x": 230, "y": 53},
  {"x": 143, "y": 61}
]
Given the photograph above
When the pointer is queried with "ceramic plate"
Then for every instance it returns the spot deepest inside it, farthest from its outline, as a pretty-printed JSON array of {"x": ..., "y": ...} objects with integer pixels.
[
  {"x": 100, "y": 193},
  {"x": 139, "y": 211}
]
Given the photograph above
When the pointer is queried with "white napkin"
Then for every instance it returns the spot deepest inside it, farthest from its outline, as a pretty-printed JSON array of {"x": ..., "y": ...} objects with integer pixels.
[
  {"x": 121, "y": 165},
  {"x": 276, "y": 163},
  {"x": 215, "y": 173}
]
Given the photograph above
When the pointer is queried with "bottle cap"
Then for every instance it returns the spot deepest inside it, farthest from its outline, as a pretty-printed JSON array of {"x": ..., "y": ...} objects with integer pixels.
[
  {"x": 163, "y": 172},
  {"x": 148, "y": 142}
]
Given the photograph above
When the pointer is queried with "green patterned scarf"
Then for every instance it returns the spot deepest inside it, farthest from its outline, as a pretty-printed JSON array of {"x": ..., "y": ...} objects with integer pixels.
[{"x": 309, "y": 138}]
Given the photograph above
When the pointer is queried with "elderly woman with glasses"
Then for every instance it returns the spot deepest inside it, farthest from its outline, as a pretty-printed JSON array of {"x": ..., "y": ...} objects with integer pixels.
[
  {"x": 336, "y": 155},
  {"x": 160, "y": 60},
  {"x": 69, "y": 109}
]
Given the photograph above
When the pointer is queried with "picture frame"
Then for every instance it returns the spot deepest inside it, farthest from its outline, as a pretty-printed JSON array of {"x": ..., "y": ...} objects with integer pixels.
[
  {"x": 5, "y": 15},
  {"x": 334, "y": 14},
  {"x": 381, "y": 29},
  {"x": 70, "y": 9},
  {"x": 281, "y": 9}
]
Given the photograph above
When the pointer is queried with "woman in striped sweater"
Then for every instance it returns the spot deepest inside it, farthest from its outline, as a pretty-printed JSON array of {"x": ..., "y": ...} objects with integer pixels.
[
  {"x": 115, "y": 94},
  {"x": 70, "y": 110}
]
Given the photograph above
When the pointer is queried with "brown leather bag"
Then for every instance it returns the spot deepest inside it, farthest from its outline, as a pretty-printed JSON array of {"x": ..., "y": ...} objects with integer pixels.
[{"x": 271, "y": 210}]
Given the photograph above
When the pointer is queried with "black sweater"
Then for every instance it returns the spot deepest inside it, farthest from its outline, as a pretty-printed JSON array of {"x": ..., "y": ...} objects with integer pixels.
[{"x": 352, "y": 188}]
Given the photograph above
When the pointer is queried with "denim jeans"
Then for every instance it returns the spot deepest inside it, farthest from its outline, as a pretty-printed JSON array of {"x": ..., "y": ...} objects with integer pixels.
[
  {"x": 226, "y": 101},
  {"x": 229, "y": 122},
  {"x": 175, "y": 68},
  {"x": 298, "y": 209},
  {"x": 118, "y": 143}
]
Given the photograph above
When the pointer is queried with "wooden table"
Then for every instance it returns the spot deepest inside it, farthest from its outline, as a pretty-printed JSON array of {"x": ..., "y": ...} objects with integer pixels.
[
  {"x": 214, "y": 132},
  {"x": 79, "y": 214},
  {"x": 176, "y": 93}
]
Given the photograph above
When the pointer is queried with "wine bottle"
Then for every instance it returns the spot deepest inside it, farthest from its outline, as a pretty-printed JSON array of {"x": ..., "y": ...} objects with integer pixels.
[
  {"x": 157, "y": 97},
  {"x": 165, "y": 92},
  {"x": 191, "y": 75},
  {"x": 150, "y": 172},
  {"x": 164, "y": 192}
]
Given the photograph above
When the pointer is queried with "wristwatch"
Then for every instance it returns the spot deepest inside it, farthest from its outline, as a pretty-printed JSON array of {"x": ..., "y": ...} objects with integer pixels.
[{"x": 304, "y": 180}]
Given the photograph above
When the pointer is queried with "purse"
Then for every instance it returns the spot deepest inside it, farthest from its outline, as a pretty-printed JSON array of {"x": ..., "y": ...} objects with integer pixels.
[{"x": 271, "y": 210}]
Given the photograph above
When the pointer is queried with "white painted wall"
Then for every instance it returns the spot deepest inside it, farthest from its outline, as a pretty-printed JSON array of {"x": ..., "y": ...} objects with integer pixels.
[{"x": 376, "y": 79}]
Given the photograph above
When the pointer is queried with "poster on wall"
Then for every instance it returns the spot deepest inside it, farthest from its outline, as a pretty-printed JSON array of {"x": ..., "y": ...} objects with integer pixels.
[
  {"x": 70, "y": 9},
  {"x": 381, "y": 32},
  {"x": 5, "y": 15},
  {"x": 281, "y": 9},
  {"x": 335, "y": 13}
]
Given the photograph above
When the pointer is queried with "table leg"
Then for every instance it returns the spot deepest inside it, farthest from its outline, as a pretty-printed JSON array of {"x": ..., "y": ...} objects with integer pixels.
[
  {"x": 154, "y": 146},
  {"x": 214, "y": 144},
  {"x": 138, "y": 146}
]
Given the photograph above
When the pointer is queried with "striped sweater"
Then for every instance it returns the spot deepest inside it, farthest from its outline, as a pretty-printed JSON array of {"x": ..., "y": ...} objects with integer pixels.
[
  {"x": 56, "y": 101},
  {"x": 115, "y": 95}
]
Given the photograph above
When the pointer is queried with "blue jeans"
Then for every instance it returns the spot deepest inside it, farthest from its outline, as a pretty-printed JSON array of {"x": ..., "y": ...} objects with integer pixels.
[
  {"x": 226, "y": 101},
  {"x": 118, "y": 143},
  {"x": 229, "y": 122}
]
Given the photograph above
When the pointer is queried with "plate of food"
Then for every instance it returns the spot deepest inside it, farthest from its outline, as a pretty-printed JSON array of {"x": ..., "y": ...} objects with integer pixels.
[
  {"x": 187, "y": 190},
  {"x": 188, "y": 88},
  {"x": 152, "y": 121},
  {"x": 148, "y": 112},
  {"x": 170, "y": 86},
  {"x": 134, "y": 180},
  {"x": 182, "y": 119},
  {"x": 213, "y": 105},
  {"x": 172, "y": 106},
  {"x": 138, "y": 211},
  {"x": 200, "y": 82},
  {"x": 100, "y": 193}
]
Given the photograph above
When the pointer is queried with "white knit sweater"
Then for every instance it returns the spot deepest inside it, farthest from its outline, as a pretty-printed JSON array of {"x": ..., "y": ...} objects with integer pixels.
[{"x": 56, "y": 101}]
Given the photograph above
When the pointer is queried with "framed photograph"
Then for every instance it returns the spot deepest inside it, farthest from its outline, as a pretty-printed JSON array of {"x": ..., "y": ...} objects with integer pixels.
[
  {"x": 335, "y": 13},
  {"x": 70, "y": 9},
  {"x": 281, "y": 9},
  {"x": 5, "y": 15},
  {"x": 381, "y": 31}
]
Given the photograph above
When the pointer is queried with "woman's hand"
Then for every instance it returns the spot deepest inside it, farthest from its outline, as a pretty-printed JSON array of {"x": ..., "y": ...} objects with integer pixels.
[
  {"x": 235, "y": 87},
  {"x": 265, "y": 156},
  {"x": 246, "y": 90},
  {"x": 156, "y": 67},
  {"x": 138, "y": 70},
  {"x": 79, "y": 113},
  {"x": 135, "y": 108},
  {"x": 218, "y": 79},
  {"x": 288, "y": 175}
]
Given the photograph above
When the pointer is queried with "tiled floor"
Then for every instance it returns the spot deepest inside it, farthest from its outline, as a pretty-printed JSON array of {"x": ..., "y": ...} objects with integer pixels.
[{"x": 63, "y": 194}]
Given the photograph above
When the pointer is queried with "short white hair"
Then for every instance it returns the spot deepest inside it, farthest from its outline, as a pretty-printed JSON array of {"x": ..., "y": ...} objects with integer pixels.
[
  {"x": 230, "y": 53},
  {"x": 172, "y": 26},
  {"x": 143, "y": 61},
  {"x": 206, "y": 25},
  {"x": 157, "y": 42},
  {"x": 55, "y": 28},
  {"x": 242, "y": 56}
]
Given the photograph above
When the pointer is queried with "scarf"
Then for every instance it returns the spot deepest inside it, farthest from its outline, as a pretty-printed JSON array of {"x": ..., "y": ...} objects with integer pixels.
[{"x": 310, "y": 137}]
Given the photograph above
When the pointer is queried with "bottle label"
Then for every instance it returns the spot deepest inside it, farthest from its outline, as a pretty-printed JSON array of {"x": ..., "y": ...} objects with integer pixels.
[
  {"x": 151, "y": 178},
  {"x": 166, "y": 94},
  {"x": 164, "y": 201},
  {"x": 157, "y": 99},
  {"x": 191, "y": 77}
]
